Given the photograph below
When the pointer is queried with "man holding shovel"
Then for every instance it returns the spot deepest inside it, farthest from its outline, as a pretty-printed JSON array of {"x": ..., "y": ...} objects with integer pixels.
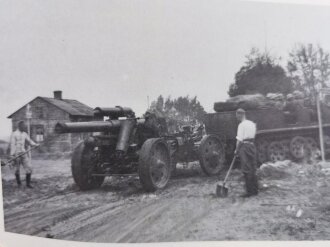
[
  {"x": 246, "y": 151},
  {"x": 17, "y": 149}
]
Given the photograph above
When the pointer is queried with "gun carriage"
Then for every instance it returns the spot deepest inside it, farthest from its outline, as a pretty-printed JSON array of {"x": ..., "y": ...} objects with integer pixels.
[{"x": 126, "y": 145}]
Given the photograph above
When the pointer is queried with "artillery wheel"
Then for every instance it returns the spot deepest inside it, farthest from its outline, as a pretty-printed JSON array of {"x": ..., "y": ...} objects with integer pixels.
[
  {"x": 312, "y": 147},
  {"x": 211, "y": 155},
  {"x": 262, "y": 148},
  {"x": 154, "y": 164},
  {"x": 286, "y": 145},
  {"x": 276, "y": 151},
  {"x": 82, "y": 167},
  {"x": 298, "y": 147},
  {"x": 327, "y": 141}
]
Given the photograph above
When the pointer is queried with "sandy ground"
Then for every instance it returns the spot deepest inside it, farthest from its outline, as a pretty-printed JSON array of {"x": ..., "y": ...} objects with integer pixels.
[{"x": 186, "y": 210}]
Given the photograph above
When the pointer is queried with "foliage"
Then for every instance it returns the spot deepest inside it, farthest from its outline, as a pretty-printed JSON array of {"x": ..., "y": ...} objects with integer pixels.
[
  {"x": 180, "y": 111},
  {"x": 260, "y": 74},
  {"x": 309, "y": 68}
]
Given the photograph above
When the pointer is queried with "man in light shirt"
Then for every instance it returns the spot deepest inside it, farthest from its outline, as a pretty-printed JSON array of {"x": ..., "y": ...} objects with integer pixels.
[
  {"x": 17, "y": 146},
  {"x": 247, "y": 153}
]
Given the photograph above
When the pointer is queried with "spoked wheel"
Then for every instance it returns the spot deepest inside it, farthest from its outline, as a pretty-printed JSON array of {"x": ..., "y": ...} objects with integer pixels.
[
  {"x": 286, "y": 145},
  {"x": 327, "y": 143},
  {"x": 154, "y": 164},
  {"x": 211, "y": 155},
  {"x": 312, "y": 147},
  {"x": 83, "y": 165},
  {"x": 262, "y": 147},
  {"x": 276, "y": 151},
  {"x": 298, "y": 147}
]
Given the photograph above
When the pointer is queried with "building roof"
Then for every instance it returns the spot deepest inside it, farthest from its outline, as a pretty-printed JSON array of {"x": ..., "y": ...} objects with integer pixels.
[{"x": 70, "y": 106}]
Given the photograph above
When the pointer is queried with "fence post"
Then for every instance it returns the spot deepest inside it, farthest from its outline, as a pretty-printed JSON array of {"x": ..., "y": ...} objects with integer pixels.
[{"x": 319, "y": 115}]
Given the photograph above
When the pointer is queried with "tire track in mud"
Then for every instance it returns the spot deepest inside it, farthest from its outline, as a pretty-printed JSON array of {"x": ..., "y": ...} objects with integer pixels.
[
  {"x": 125, "y": 229},
  {"x": 156, "y": 220},
  {"x": 83, "y": 222},
  {"x": 42, "y": 219},
  {"x": 111, "y": 222},
  {"x": 42, "y": 191},
  {"x": 184, "y": 211},
  {"x": 112, "y": 215},
  {"x": 179, "y": 221}
]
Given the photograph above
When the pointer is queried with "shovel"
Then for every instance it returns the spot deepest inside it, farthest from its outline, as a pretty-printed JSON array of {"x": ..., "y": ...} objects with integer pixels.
[
  {"x": 17, "y": 156},
  {"x": 222, "y": 190}
]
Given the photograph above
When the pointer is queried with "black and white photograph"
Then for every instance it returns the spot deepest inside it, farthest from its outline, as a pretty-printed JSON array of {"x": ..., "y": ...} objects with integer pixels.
[{"x": 164, "y": 121}]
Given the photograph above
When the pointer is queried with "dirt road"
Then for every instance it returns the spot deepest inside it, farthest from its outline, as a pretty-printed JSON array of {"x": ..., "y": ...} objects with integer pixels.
[{"x": 185, "y": 211}]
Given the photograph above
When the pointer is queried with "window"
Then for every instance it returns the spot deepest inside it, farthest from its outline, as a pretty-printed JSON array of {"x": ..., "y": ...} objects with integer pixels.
[{"x": 38, "y": 133}]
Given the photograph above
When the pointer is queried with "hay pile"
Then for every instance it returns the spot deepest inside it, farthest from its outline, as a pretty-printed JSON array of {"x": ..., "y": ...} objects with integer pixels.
[
  {"x": 276, "y": 100},
  {"x": 251, "y": 102},
  {"x": 246, "y": 102}
]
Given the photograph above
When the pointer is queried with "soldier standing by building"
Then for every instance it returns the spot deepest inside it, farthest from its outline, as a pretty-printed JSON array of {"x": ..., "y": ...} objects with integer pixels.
[
  {"x": 246, "y": 151},
  {"x": 17, "y": 146}
]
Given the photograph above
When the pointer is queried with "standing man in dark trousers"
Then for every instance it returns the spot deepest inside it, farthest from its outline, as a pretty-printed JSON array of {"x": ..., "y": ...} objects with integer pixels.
[{"x": 247, "y": 153}]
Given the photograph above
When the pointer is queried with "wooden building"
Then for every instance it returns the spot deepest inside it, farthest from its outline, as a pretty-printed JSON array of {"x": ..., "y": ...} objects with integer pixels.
[{"x": 44, "y": 114}]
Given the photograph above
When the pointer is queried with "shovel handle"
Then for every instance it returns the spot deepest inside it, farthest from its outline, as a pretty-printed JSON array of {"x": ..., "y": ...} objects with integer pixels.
[
  {"x": 21, "y": 154},
  {"x": 230, "y": 168}
]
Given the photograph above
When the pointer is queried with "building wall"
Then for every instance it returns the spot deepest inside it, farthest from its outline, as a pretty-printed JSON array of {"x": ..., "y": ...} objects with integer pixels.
[
  {"x": 44, "y": 117},
  {"x": 42, "y": 113},
  {"x": 3, "y": 149}
]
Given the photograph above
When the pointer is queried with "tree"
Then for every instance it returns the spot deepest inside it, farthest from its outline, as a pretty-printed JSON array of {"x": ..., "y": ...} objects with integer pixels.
[
  {"x": 309, "y": 68},
  {"x": 158, "y": 104},
  {"x": 183, "y": 110},
  {"x": 260, "y": 74}
]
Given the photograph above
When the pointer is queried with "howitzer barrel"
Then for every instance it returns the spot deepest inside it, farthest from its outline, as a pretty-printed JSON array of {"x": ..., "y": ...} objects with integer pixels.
[
  {"x": 113, "y": 112},
  {"x": 93, "y": 126}
]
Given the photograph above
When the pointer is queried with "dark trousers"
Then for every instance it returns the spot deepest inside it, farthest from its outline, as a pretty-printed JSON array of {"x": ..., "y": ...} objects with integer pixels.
[{"x": 248, "y": 157}]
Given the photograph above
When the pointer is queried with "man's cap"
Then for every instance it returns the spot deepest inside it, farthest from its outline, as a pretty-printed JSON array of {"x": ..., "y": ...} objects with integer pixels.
[{"x": 240, "y": 111}]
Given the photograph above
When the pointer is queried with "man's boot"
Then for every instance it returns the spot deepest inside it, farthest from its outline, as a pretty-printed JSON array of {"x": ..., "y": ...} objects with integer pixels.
[
  {"x": 28, "y": 181},
  {"x": 253, "y": 184},
  {"x": 18, "y": 179},
  {"x": 247, "y": 186}
]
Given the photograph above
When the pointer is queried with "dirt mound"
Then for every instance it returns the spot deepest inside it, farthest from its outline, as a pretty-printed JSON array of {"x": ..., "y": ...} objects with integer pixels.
[{"x": 278, "y": 170}]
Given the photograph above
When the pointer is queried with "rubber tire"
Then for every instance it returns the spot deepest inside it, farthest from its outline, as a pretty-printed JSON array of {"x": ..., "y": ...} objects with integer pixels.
[
  {"x": 144, "y": 165},
  {"x": 200, "y": 155},
  {"x": 79, "y": 170}
]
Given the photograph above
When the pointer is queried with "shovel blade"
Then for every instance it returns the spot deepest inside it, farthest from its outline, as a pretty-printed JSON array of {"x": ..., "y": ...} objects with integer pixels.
[{"x": 221, "y": 191}]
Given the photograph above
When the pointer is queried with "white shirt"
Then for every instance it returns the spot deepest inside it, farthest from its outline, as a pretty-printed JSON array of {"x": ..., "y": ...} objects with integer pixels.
[
  {"x": 17, "y": 142},
  {"x": 246, "y": 130}
]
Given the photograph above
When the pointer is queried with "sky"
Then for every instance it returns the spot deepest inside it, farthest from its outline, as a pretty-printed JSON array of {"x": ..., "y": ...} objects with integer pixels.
[{"x": 120, "y": 52}]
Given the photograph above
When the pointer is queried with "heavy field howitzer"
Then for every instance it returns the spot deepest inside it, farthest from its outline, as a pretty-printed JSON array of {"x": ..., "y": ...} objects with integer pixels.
[{"x": 128, "y": 145}]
